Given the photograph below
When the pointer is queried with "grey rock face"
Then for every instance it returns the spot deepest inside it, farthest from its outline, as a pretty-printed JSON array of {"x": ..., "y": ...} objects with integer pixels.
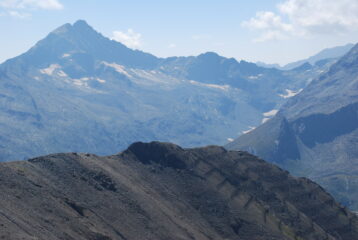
[{"x": 162, "y": 191}]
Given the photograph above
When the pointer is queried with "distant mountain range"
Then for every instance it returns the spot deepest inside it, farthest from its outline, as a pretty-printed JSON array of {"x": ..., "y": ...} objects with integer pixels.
[
  {"x": 162, "y": 191},
  {"x": 328, "y": 54},
  {"x": 315, "y": 134},
  {"x": 76, "y": 90}
]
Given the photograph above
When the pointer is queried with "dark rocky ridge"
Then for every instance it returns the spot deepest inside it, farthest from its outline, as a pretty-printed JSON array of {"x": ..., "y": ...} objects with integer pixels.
[{"x": 162, "y": 191}]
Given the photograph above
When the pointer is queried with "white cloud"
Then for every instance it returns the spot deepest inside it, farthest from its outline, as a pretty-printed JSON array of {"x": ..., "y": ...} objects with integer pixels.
[
  {"x": 306, "y": 18},
  {"x": 31, "y": 4},
  {"x": 270, "y": 24},
  {"x": 130, "y": 38},
  {"x": 17, "y": 14},
  {"x": 22, "y": 8}
]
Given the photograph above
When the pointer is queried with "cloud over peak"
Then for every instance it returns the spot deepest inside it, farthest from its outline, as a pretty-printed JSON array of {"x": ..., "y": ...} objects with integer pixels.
[{"x": 130, "y": 38}]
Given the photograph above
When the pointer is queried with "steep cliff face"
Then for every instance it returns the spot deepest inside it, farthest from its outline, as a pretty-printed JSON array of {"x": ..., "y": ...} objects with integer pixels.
[
  {"x": 316, "y": 133},
  {"x": 162, "y": 191}
]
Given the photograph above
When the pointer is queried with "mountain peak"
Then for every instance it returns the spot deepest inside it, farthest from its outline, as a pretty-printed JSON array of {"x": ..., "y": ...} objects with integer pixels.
[
  {"x": 62, "y": 29},
  {"x": 81, "y": 22},
  {"x": 209, "y": 55},
  {"x": 87, "y": 43},
  {"x": 80, "y": 26}
]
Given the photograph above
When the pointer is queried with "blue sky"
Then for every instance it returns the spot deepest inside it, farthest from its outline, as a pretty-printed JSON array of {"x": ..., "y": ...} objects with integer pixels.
[{"x": 257, "y": 30}]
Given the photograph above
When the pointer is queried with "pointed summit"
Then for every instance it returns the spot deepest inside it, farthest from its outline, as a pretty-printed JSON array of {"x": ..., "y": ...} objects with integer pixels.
[
  {"x": 84, "y": 43},
  {"x": 62, "y": 29},
  {"x": 81, "y": 23},
  {"x": 78, "y": 25},
  {"x": 84, "y": 27},
  {"x": 79, "y": 29}
]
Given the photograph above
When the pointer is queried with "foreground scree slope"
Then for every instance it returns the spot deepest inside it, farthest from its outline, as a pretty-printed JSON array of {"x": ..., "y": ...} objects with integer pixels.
[
  {"x": 316, "y": 133},
  {"x": 161, "y": 191}
]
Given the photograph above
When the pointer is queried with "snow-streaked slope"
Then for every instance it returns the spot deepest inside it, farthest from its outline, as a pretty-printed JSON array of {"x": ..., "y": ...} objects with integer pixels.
[{"x": 76, "y": 90}]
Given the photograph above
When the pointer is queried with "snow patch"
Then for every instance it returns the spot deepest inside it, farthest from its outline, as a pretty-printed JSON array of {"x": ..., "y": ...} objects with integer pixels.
[
  {"x": 265, "y": 120},
  {"x": 230, "y": 139},
  {"x": 100, "y": 80},
  {"x": 81, "y": 81},
  {"x": 271, "y": 113},
  {"x": 49, "y": 71},
  {"x": 221, "y": 87},
  {"x": 268, "y": 115},
  {"x": 118, "y": 68},
  {"x": 145, "y": 77},
  {"x": 78, "y": 82},
  {"x": 256, "y": 77},
  {"x": 61, "y": 73},
  {"x": 290, "y": 93},
  {"x": 251, "y": 128},
  {"x": 66, "y": 55}
]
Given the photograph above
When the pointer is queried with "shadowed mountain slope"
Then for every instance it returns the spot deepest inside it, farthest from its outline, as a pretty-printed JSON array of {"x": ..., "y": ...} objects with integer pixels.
[
  {"x": 162, "y": 191},
  {"x": 315, "y": 134}
]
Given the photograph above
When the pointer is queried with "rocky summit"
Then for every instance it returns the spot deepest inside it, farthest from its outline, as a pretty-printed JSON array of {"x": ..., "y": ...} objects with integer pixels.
[{"x": 162, "y": 191}]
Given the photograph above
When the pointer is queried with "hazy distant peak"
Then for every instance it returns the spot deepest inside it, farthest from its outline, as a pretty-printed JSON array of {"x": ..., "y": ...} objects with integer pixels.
[
  {"x": 80, "y": 27},
  {"x": 319, "y": 58},
  {"x": 81, "y": 23},
  {"x": 353, "y": 52},
  {"x": 350, "y": 60},
  {"x": 332, "y": 52},
  {"x": 328, "y": 53},
  {"x": 62, "y": 29},
  {"x": 87, "y": 43},
  {"x": 303, "y": 67},
  {"x": 209, "y": 55}
]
